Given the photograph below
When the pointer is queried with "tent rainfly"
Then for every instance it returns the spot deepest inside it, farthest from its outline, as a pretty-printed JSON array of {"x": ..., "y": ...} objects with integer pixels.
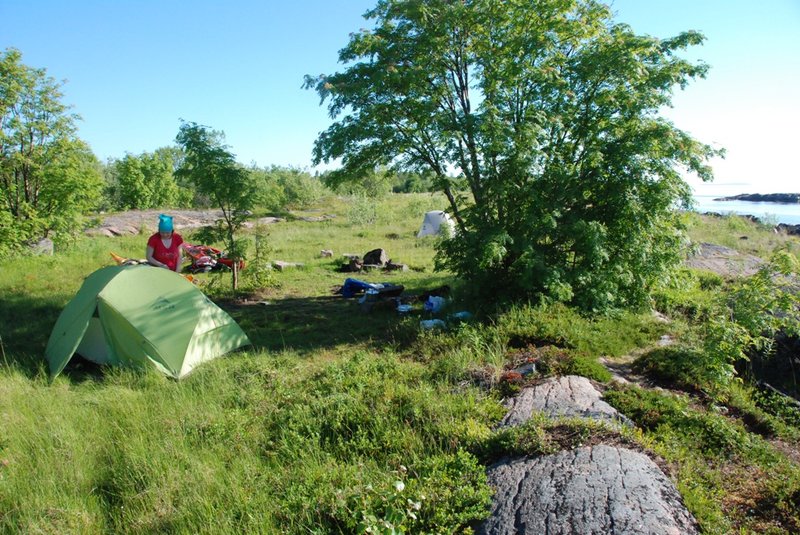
[
  {"x": 434, "y": 223},
  {"x": 134, "y": 315}
]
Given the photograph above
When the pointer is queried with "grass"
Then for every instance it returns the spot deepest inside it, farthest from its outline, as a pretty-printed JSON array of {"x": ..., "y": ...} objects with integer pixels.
[
  {"x": 739, "y": 233},
  {"x": 337, "y": 419},
  {"x": 731, "y": 478}
]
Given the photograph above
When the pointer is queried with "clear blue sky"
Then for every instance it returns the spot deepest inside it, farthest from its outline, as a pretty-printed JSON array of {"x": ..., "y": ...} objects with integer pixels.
[{"x": 134, "y": 68}]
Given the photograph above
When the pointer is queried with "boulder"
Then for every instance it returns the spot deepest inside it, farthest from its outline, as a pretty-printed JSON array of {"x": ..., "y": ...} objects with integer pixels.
[
  {"x": 600, "y": 489},
  {"x": 376, "y": 257}
]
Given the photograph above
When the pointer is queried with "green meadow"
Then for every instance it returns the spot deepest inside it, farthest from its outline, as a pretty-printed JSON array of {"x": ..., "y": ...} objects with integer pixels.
[{"x": 340, "y": 419}]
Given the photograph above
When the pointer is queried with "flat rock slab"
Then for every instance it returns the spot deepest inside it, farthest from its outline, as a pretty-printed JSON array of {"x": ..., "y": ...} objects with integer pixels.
[
  {"x": 601, "y": 489},
  {"x": 567, "y": 396},
  {"x": 724, "y": 261},
  {"x": 280, "y": 265},
  {"x": 136, "y": 221}
]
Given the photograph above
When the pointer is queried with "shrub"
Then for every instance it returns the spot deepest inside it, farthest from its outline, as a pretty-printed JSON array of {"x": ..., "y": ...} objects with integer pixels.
[
  {"x": 748, "y": 319},
  {"x": 362, "y": 211},
  {"x": 710, "y": 433}
]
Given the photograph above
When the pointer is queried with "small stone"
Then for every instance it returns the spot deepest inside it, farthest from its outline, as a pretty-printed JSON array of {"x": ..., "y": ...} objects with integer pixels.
[{"x": 280, "y": 265}]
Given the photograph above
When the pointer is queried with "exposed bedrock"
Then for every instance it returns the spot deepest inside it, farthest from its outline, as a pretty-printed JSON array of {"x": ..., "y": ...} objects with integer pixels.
[
  {"x": 567, "y": 396},
  {"x": 592, "y": 490}
]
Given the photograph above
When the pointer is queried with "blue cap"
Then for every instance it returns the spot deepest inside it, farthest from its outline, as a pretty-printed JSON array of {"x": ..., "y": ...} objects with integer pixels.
[{"x": 165, "y": 223}]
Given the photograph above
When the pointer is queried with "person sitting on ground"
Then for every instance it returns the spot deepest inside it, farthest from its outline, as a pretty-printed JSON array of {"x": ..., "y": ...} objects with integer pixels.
[{"x": 164, "y": 248}]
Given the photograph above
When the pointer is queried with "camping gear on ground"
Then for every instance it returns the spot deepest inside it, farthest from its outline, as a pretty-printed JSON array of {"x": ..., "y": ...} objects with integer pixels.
[
  {"x": 428, "y": 325},
  {"x": 370, "y": 295},
  {"x": 135, "y": 315},
  {"x": 353, "y": 287},
  {"x": 122, "y": 261},
  {"x": 205, "y": 258},
  {"x": 434, "y": 303},
  {"x": 435, "y": 223}
]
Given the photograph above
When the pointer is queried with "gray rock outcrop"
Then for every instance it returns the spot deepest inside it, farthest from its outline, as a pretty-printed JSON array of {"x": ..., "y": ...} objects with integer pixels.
[
  {"x": 592, "y": 490},
  {"x": 600, "y": 489},
  {"x": 567, "y": 396},
  {"x": 724, "y": 261},
  {"x": 44, "y": 247}
]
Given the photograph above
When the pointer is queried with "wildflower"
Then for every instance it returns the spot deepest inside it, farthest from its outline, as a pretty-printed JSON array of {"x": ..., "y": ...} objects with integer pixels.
[{"x": 399, "y": 486}]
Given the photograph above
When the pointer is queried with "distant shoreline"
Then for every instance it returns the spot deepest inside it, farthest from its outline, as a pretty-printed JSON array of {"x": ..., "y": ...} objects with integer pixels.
[{"x": 783, "y": 198}]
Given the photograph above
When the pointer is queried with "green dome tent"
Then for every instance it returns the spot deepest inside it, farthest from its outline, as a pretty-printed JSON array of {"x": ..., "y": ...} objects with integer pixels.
[{"x": 132, "y": 315}]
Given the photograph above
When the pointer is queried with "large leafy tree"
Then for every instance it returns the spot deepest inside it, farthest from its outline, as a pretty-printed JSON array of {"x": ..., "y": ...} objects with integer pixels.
[
  {"x": 48, "y": 176},
  {"x": 212, "y": 168},
  {"x": 538, "y": 120}
]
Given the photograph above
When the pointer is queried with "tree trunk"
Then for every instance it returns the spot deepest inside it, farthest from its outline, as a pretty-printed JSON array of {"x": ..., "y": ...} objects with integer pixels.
[{"x": 235, "y": 279}]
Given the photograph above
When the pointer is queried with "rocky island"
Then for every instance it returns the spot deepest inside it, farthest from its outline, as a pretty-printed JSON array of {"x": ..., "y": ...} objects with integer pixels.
[{"x": 787, "y": 198}]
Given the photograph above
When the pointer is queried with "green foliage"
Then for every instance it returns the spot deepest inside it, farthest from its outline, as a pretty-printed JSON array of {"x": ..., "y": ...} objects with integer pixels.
[
  {"x": 710, "y": 433},
  {"x": 748, "y": 318},
  {"x": 259, "y": 273},
  {"x": 363, "y": 211},
  {"x": 555, "y": 361},
  {"x": 730, "y": 325},
  {"x": 529, "y": 438},
  {"x": 282, "y": 188},
  {"x": 147, "y": 181},
  {"x": 548, "y": 112},
  {"x": 374, "y": 409},
  {"x": 444, "y": 494},
  {"x": 676, "y": 366},
  {"x": 213, "y": 170},
  {"x": 48, "y": 177},
  {"x": 406, "y": 182},
  {"x": 717, "y": 461},
  {"x": 611, "y": 335},
  {"x": 739, "y": 233},
  {"x": 267, "y": 193},
  {"x": 688, "y": 293},
  {"x": 300, "y": 189},
  {"x": 12, "y": 235},
  {"x": 781, "y": 406},
  {"x": 372, "y": 184},
  {"x": 765, "y": 412}
]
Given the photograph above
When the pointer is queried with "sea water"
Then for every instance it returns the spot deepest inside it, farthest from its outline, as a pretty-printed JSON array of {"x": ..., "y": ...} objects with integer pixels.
[{"x": 772, "y": 212}]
